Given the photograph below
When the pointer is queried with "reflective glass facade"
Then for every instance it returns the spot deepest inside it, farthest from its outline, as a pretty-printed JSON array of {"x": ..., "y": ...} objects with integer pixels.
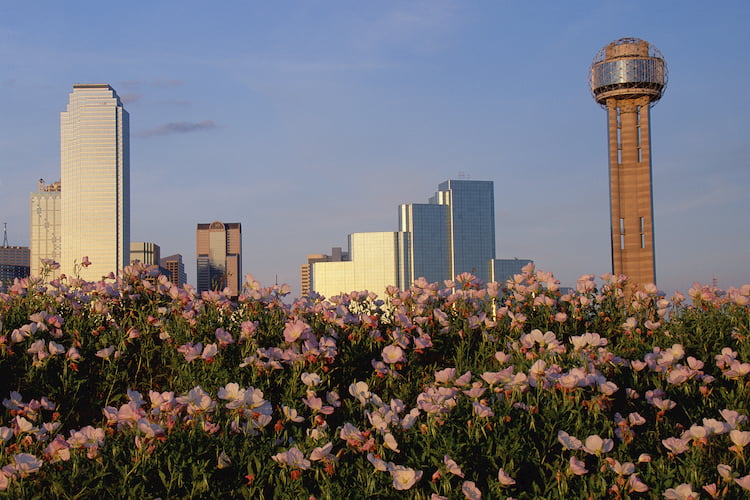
[
  {"x": 95, "y": 178},
  {"x": 426, "y": 227},
  {"x": 471, "y": 225},
  {"x": 501, "y": 270},
  {"x": 451, "y": 234}
]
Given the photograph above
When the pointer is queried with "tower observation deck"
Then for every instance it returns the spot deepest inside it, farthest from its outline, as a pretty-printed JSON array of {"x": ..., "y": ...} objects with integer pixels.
[{"x": 627, "y": 77}]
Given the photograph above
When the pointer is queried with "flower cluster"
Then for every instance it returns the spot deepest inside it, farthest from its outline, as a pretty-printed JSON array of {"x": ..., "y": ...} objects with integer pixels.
[{"x": 518, "y": 389}]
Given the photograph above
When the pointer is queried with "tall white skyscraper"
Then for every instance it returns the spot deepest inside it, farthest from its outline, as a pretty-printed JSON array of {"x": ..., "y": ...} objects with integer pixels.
[{"x": 95, "y": 178}]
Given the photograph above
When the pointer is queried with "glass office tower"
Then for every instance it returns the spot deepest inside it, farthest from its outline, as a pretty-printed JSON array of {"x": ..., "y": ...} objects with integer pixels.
[
  {"x": 95, "y": 178},
  {"x": 426, "y": 227},
  {"x": 471, "y": 225}
]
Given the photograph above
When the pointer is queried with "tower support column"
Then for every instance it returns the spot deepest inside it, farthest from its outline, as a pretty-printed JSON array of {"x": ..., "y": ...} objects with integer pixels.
[{"x": 631, "y": 205}]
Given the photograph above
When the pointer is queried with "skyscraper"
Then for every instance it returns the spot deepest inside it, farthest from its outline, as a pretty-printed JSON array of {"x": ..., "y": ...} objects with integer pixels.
[
  {"x": 14, "y": 262},
  {"x": 45, "y": 222},
  {"x": 145, "y": 252},
  {"x": 95, "y": 178},
  {"x": 426, "y": 227},
  {"x": 627, "y": 77},
  {"x": 219, "y": 256},
  {"x": 452, "y": 234},
  {"x": 175, "y": 269}
]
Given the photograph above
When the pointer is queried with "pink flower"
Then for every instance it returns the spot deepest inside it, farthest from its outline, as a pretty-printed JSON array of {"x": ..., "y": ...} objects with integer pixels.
[
  {"x": 675, "y": 445},
  {"x": 743, "y": 481},
  {"x": 739, "y": 438},
  {"x": 504, "y": 478},
  {"x": 106, "y": 352},
  {"x": 197, "y": 400},
  {"x": 481, "y": 410},
  {"x": 293, "y": 330},
  {"x": 26, "y": 464},
  {"x": 393, "y": 354},
  {"x": 445, "y": 375},
  {"x": 577, "y": 467},
  {"x": 209, "y": 351},
  {"x": 322, "y": 453},
  {"x": 404, "y": 477},
  {"x": 191, "y": 351},
  {"x": 452, "y": 466},
  {"x": 310, "y": 379},
  {"x": 470, "y": 490},
  {"x": 568, "y": 441},
  {"x": 390, "y": 442},
  {"x": 595, "y": 445},
  {"x": 293, "y": 457},
  {"x": 224, "y": 337},
  {"x": 682, "y": 492}
]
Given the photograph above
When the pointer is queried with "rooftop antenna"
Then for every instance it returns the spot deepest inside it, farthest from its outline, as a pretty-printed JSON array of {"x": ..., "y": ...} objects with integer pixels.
[{"x": 5, "y": 234}]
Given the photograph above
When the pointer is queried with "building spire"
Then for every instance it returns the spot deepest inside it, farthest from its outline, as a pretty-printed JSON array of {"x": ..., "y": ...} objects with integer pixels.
[{"x": 5, "y": 234}]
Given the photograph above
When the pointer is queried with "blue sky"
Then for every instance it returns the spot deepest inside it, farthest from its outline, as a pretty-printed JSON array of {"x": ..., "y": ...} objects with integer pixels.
[{"x": 306, "y": 121}]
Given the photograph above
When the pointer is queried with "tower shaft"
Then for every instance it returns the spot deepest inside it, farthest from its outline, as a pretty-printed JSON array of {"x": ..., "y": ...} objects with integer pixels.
[{"x": 631, "y": 205}]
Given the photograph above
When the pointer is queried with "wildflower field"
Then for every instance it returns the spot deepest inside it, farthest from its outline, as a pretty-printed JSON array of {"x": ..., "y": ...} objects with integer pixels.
[{"x": 134, "y": 388}]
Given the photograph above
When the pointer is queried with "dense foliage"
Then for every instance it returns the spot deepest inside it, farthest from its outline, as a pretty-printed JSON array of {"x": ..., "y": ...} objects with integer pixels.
[{"x": 136, "y": 388}]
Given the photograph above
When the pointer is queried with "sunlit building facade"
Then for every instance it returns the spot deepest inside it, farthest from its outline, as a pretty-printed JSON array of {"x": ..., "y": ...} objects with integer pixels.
[
  {"x": 45, "y": 227},
  {"x": 95, "y": 177},
  {"x": 219, "y": 256},
  {"x": 174, "y": 269},
  {"x": 145, "y": 252},
  {"x": 337, "y": 255},
  {"x": 376, "y": 263}
]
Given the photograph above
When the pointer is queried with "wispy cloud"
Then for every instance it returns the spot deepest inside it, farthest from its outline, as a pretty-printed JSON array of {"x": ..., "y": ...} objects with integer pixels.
[
  {"x": 130, "y": 98},
  {"x": 179, "y": 128},
  {"x": 167, "y": 83},
  {"x": 139, "y": 84}
]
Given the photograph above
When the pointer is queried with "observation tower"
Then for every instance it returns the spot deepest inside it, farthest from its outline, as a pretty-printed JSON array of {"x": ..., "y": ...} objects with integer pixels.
[{"x": 627, "y": 77}]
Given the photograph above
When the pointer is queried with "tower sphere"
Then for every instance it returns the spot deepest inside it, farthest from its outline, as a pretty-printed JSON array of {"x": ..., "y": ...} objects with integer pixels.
[{"x": 628, "y": 68}]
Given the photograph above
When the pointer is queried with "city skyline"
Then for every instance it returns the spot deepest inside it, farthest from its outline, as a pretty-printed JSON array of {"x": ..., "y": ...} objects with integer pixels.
[{"x": 306, "y": 124}]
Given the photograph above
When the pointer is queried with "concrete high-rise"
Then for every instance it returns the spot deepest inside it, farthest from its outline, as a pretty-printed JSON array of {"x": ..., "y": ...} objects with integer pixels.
[
  {"x": 376, "y": 263},
  {"x": 337, "y": 255},
  {"x": 627, "y": 77},
  {"x": 95, "y": 178},
  {"x": 45, "y": 226},
  {"x": 145, "y": 252},
  {"x": 175, "y": 269},
  {"x": 14, "y": 263},
  {"x": 219, "y": 256}
]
